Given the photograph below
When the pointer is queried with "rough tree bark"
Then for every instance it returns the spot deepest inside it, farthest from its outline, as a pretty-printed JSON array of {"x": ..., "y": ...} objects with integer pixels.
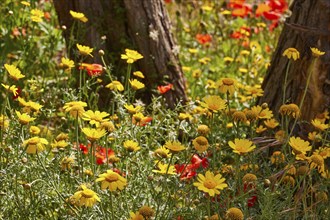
[
  {"x": 143, "y": 25},
  {"x": 308, "y": 26}
]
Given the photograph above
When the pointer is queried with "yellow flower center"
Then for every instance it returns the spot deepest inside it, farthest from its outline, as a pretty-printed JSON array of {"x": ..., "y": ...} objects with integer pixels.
[
  {"x": 234, "y": 213},
  {"x": 210, "y": 184},
  {"x": 111, "y": 178},
  {"x": 87, "y": 193},
  {"x": 228, "y": 82},
  {"x": 202, "y": 141}
]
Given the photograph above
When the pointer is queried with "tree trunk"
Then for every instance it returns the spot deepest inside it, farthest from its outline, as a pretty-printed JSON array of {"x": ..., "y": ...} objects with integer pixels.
[
  {"x": 142, "y": 25},
  {"x": 308, "y": 26}
]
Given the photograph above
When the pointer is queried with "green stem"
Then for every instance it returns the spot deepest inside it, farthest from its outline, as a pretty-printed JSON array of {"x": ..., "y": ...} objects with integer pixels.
[
  {"x": 285, "y": 82},
  {"x": 128, "y": 74},
  {"x": 310, "y": 71},
  {"x": 209, "y": 207},
  {"x": 111, "y": 207},
  {"x": 80, "y": 165}
]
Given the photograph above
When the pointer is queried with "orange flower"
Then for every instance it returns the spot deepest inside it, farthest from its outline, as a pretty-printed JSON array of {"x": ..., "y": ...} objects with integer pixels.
[
  {"x": 203, "y": 38},
  {"x": 262, "y": 8},
  {"x": 164, "y": 89},
  {"x": 92, "y": 69}
]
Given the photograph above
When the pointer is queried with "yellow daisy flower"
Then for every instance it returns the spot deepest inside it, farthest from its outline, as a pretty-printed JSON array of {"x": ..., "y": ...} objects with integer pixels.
[
  {"x": 108, "y": 126},
  {"x": 84, "y": 50},
  {"x": 136, "y": 84},
  {"x": 85, "y": 197},
  {"x": 260, "y": 129},
  {"x": 13, "y": 89},
  {"x": 263, "y": 113},
  {"x": 193, "y": 50},
  {"x": 228, "y": 59},
  {"x": 184, "y": 116},
  {"x": 214, "y": 103},
  {"x": 24, "y": 118},
  {"x": 59, "y": 144},
  {"x": 165, "y": 169},
  {"x": 291, "y": 53},
  {"x": 314, "y": 136},
  {"x": 66, "y": 163},
  {"x": 290, "y": 110},
  {"x": 133, "y": 110},
  {"x": 234, "y": 214},
  {"x": 174, "y": 146},
  {"x": 95, "y": 118},
  {"x": 322, "y": 151},
  {"x": 35, "y": 145},
  {"x": 25, "y": 3},
  {"x": 210, "y": 183},
  {"x": 78, "y": 16},
  {"x": 66, "y": 63},
  {"x": 131, "y": 56},
  {"x": 239, "y": 116},
  {"x": 138, "y": 74},
  {"x": 319, "y": 125},
  {"x": 241, "y": 146},
  {"x": 162, "y": 152},
  {"x": 131, "y": 146},
  {"x": 33, "y": 106},
  {"x": 147, "y": 212},
  {"x": 203, "y": 129},
  {"x": 299, "y": 146},
  {"x": 34, "y": 130},
  {"x": 316, "y": 161},
  {"x": 93, "y": 134},
  {"x": 226, "y": 85},
  {"x": 37, "y": 15},
  {"x": 201, "y": 144},
  {"x": 116, "y": 86},
  {"x": 112, "y": 181},
  {"x": 76, "y": 108},
  {"x": 14, "y": 72},
  {"x": 271, "y": 123},
  {"x": 204, "y": 60},
  {"x": 254, "y": 91},
  {"x": 316, "y": 52}
]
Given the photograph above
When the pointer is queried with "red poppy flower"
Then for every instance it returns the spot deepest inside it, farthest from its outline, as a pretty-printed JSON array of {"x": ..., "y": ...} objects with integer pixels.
[
  {"x": 101, "y": 156},
  {"x": 250, "y": 188},
  {"x": 83, "y": 148},
  {"x": 279, "y": 5},
  {"x": 271, "y": 15},
  {"x": 168, "y": 1},
  {"x": 203, "y": 38},
  {"x": 199, "y": 161},
  {"x": 252, "y": 201},
  {"x": 165, "y": 89},
  {"x": 92, "y": 69},
  {"x": 186, "y": 171}
]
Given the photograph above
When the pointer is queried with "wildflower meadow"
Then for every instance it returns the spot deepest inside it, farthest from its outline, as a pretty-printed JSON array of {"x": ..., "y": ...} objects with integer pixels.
[{"x": 220, "y": 155}]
